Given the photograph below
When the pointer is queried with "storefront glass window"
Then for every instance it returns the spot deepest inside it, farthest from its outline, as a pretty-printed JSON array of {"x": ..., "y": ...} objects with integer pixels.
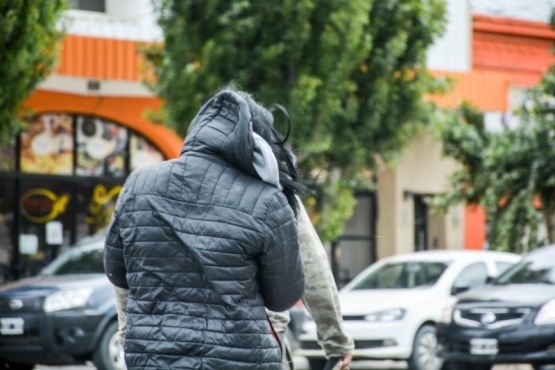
[
  {"x": 101, "y": 147},
  {"x": 143, "y": 153},
  {"x": 95, "y": 205},
  {"x": 7, "y": 156},
  {"x": 47, "y": 145},
  {"x": 45, "y": 223},
  {"x": 7, "y": 229},
  {"x": 60, "y": 179}
]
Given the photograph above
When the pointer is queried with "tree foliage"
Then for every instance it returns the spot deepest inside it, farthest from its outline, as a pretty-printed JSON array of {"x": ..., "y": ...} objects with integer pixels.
[
  {"x": 28, "y": 40},
  {"x": 510, "y": 172},
  {"x": 351, "y": 73}
]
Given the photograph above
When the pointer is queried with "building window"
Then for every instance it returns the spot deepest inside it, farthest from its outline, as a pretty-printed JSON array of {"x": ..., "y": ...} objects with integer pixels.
[
  {"x": 59, "y": 182},
  {"x": 81, "y": 145},
  {"x": 47, "y": 145},
  {"x": 143, "y": 153},
  {"x": 45, "y": 225},
  {"x": 7, "y": 229},
  {"x": 95, "y": 203},
  {"x": 90, "y": 5},
  {"x": 101, "y": 147},
  {"x": 7, "y": 156}
]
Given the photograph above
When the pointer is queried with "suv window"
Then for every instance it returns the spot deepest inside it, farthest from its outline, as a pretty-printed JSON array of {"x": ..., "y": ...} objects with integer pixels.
[
  {"x": 472, "y": 276},
  {"x": 77, "y": 261}
]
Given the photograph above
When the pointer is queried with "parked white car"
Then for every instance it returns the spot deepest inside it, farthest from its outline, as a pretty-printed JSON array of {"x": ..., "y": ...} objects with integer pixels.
[{"x": 391, "y": 308}]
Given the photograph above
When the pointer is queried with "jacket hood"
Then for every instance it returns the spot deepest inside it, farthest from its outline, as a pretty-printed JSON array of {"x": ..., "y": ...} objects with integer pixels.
[{"x": 223, "y": 128}]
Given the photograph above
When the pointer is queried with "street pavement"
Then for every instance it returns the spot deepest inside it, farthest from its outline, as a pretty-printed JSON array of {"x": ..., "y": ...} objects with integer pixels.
[{"x": 301, "y": 364}]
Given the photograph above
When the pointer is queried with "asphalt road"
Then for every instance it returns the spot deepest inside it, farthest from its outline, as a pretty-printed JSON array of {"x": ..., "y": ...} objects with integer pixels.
[{"x": 300, "y": 364}]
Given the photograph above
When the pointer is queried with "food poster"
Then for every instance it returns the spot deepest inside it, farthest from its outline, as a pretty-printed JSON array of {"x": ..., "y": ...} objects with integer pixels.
[
  {"x": 143, "y": 153},
  {"x": 101, "y": 147},
  {"x": 47, "y": 145},
  {"x": 7, "y": 156}
]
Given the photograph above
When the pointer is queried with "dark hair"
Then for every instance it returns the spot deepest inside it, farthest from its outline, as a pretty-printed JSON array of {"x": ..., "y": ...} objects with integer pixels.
[{"x": 262, "y": 124}]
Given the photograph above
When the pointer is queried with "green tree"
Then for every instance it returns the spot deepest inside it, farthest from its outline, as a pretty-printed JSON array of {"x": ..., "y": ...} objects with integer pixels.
[
  {"x": 29, "y": 36},
  {"x": 510, "y": 172},
  {"x": 350, "y": 72}
]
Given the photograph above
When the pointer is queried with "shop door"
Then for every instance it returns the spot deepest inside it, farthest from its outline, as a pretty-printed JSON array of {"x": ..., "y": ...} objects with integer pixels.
[{"x": 420, "y": 223}]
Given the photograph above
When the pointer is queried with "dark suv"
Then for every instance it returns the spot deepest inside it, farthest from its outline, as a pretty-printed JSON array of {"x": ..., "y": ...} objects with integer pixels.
[
  {"x": 65, "y": 315},
  {"x": 511, "y": 320}
]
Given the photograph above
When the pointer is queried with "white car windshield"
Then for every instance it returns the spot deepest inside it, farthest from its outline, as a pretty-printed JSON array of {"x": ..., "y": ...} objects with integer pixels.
[
  {"x": 76, "y": 261},
  {"x": 535, "y": 269},
  {"x": 403, "y": 275}
]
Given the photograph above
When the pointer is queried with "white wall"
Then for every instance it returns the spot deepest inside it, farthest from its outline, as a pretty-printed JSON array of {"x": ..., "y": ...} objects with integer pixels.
[
  {"x": 532, "y": 10},
  {"x": 422, "y": 170},
  {"x": 453, "y": 51},
  {"x": 124, "y": 19}
]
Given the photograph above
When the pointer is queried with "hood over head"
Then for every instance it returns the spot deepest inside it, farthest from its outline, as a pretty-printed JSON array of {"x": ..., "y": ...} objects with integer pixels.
[{"x": 224, "y": 128}]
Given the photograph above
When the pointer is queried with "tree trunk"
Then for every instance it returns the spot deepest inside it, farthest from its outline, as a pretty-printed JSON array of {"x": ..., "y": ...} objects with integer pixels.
[{"x": 549, "y": 219}]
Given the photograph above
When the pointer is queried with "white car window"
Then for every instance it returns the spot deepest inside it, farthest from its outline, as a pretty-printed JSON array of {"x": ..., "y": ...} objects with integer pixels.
[
  {"x": 77, "y": 260},
  {"x": 472, "y": 276},
  {"x": 403, "y": 275}
]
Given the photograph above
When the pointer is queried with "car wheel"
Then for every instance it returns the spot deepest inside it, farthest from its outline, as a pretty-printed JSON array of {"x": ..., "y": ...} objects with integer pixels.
[
  {"x": 466, "y": 366},
  {"x": 316, "y": 363},
  {"x": 424, "y": 348},
  {"x": 5, "y": 364},
  {"x": 107, "y": 355}
]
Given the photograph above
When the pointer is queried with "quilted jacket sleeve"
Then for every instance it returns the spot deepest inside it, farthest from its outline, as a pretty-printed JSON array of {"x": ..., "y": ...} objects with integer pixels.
[
  {"x": 281, "y": 268},
  {"x": 114, "y": 264}
]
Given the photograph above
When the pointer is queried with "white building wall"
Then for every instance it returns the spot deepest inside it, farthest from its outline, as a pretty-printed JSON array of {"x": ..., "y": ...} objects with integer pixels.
[
  {"x": 124, "y": 19},
  {"x": 531, "y": 10},
  {"x": 453, "y": 52}
]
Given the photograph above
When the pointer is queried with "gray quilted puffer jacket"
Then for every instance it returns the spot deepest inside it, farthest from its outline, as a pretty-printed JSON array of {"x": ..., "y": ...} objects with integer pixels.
[{"x": 203, "y": 245}]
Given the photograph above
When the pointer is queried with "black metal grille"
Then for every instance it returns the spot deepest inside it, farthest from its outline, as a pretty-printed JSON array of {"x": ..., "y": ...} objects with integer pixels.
[
  {"x": 23, "y": 304},
  {"x": 491, "y": 317},
  {"x": 367, "y": 344},
  {"x": 310, "y": 344},
  {"x": 500, "y": 316},
  {"x": 359, "y": 344},
  {"x": 29, "y": 338},
  {"x": 354, "y": 318}
]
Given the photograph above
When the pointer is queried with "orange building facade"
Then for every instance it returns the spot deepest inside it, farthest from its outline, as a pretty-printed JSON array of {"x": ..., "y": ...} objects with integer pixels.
[
  {"x": 519, "y": 52},
  {"x": 60, "y": 177}
]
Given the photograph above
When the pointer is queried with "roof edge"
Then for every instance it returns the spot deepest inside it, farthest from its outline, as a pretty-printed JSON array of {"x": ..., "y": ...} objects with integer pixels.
[{"x": 511, "y": 26}]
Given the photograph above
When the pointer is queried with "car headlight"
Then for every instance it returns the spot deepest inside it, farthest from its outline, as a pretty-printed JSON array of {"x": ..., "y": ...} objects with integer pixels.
[
  {"x": 394, "y": 314},
  {"x": 546, "y": 314},
  {"x": 66, "y": 299},
  {"x": 447, "y": 311}
]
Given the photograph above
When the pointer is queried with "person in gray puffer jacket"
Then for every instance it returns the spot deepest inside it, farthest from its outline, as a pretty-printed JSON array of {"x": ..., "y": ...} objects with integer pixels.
[{"x": 205, "y": 242}]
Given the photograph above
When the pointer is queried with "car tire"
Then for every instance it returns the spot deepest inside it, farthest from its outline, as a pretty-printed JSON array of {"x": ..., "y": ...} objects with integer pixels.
[
  {"x": 5, "y": 364},
  {"x": 316, "y": 363},
  {"x": 107, "y": 355},
  {"x": 424, "y": 347},
  {"x": 459, "y": 365}
]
